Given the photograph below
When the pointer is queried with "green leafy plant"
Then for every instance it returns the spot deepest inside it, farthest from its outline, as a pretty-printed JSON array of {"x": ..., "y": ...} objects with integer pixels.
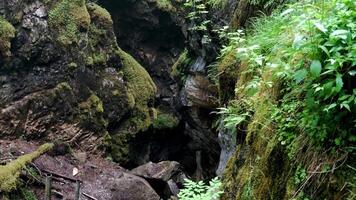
[
  {"x": 198, "y": 17},
  {"x": 300, "y": 175},
  {"x": 200, "y": 190},
  {"x": 231, "y": 117}
]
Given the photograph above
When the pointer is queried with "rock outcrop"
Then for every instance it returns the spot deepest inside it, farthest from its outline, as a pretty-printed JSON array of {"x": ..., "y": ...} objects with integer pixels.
[{"x": 67, "y": 79}]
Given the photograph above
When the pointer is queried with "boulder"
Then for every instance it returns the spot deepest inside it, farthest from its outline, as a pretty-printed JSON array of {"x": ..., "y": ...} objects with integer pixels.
[
  {"x": 198, "y": 91},
  {"x": 166, "y": 177}
]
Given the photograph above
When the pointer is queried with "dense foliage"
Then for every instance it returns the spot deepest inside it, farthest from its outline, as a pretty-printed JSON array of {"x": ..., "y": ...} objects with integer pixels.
[{"x": 296, "y": 72}]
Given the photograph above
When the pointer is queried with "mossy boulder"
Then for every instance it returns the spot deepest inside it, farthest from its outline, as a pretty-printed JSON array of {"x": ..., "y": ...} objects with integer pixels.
[
  {"x": 7, "y": 32},
  {"x": 141, "y": 92}
]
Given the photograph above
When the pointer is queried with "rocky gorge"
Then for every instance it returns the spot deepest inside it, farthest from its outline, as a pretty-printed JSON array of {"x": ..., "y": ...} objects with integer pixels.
[{"x": 126, "y": 94}]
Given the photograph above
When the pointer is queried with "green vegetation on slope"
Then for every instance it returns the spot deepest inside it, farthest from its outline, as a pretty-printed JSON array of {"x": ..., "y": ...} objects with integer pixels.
[{"x": 296, "y": 97}]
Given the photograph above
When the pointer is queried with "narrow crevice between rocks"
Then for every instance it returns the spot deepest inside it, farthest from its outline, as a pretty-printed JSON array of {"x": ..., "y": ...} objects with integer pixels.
[{"x": 156, "y": 38}]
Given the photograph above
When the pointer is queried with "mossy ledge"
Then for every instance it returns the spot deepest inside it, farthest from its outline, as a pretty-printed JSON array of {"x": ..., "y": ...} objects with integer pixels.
[{"x": 10, "y": 173}]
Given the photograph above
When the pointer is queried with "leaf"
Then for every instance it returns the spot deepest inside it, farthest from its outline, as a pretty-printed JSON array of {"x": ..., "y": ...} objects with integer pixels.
[
  {"x": 300, "y": 75},
  {"x": 331, "y": 106},
  {"x": 352, "y": 72},
  {"x": 325, "y": 50},
  {"x": 315, "y": 68},
  {"x": 338, "y": 141},
  {"x": 345, "y": 105},
  {"x": 344, "y": 97},
  {"x": 320, "y": 26},
  {"x": 286, "y": 12},
  {"x": 342, "y": 34},
  {"x": 339, "y": 82},
  {"x": 298, "y": 40}
]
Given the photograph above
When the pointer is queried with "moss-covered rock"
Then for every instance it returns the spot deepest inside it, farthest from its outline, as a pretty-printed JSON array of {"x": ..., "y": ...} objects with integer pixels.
[
  {"x": 91, "y": 113},
  {"x": 99, "y": 14},
  {"x": 228, "y": 70},
  {"x": 141, "y": 91},
  {"x": 67, "y": 18},
  {"x": 139, "y": 82},
  {"x": 7, "y": 32},
  {"x": 11, "y": 172},
  {"x": 178, "y": 69}
]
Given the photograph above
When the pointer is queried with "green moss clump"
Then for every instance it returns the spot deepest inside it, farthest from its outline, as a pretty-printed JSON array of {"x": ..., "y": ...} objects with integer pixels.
[
  {"x": 91, "y": 113},
  {"x": 7, "y": 32},
  {"x": 165, "y": 5},
  {"x": 89, "y": 61},
  {"x": 93, "y": 103},
  {"x": 139, "y": 82},
  {"x": 100, "y": 14},
  {"x": 61, "y": 87},
  {"x": 67, "y": 17},
  {"x": 10, "y": 173},
  {"x": 165, "y": 121},
  {"x": 72, "y": 66},
  {"x": 99, "y": 59},
  {"x": 178, "y": 67},
  {"x": 229, "y": 72}
]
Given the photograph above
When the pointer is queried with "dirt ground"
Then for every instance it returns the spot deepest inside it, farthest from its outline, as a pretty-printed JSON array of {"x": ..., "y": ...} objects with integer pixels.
[{"x": 99, "y": 178}]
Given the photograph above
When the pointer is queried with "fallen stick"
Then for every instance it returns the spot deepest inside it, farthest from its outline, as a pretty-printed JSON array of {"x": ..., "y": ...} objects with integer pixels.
[
  {"x": 77, "y": 190},
  {"x": 60, "y": 175},
  {"x": 48, "y": 188},
  {"x": 57, "y": 193},
  {"x": 90, "y": 197}
]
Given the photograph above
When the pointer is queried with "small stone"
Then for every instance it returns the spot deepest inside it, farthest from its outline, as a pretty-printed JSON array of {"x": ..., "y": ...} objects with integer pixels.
[{"x": 41, "y": 12}]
